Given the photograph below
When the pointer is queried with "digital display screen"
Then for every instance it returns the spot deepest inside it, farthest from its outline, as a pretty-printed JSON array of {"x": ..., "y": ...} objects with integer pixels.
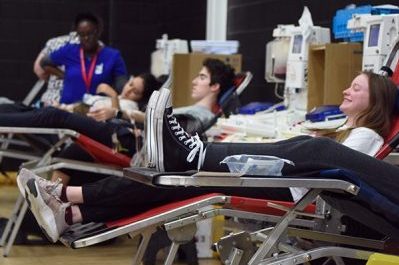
[
  {"x": 297, "y": 47},
  {"x": 373, "y": 35}
]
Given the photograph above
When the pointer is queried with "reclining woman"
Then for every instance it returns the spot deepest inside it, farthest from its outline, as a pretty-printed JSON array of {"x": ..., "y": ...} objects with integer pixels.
[
  {"x": 368, "y": 103},
  {"x": 130, "y": 106},
  {"x": 139, "y": 90}
]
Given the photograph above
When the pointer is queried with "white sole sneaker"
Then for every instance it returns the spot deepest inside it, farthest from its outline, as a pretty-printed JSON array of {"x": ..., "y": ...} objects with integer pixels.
[
  {"x": 43, "y": 214},
  {"x": 23, "y": 176},
  {"x": 164, "y": 98},
  {"x": 149, "y": 130}
]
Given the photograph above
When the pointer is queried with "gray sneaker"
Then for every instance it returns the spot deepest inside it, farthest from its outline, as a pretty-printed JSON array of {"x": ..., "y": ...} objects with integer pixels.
[
  {"x": 24, "y": 175},
  {"x": 47, "y": 209},
  {"x": 175, "y": 149}
]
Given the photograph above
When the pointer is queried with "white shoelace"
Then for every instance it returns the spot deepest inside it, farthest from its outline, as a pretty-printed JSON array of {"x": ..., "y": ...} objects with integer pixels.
[
  {"x": 49, "y": 186},
  {"x": 193, "y": 142},
  {"x": 57, "y": 182}
]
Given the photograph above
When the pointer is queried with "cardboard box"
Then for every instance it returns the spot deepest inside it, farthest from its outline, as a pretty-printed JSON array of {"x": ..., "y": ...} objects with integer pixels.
[
  {"x": 331, "y": 69},
  {"x": 186, "y": 67}
]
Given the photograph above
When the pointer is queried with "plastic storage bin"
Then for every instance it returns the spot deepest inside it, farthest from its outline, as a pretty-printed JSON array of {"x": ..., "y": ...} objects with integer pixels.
[
  {"x": 342, "y": 16},
  {"x": 256, "y": 164}
]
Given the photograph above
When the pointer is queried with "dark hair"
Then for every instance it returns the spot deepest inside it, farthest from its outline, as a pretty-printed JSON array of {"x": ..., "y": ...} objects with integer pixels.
[
  {"x": 379, "y": 113},
  {"x": 221, "y": 73},
  {"x": 92, "y": 18},
  {"x": 150, "y": 85}
]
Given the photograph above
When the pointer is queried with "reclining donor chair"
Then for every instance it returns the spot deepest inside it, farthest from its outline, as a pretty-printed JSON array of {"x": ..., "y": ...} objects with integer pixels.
[
  {"x": 341, "y": 189},
  {"x": 312, "y": 221},
  {"x": 228, "y": 104},
  {"x": 107, "y": 161}
]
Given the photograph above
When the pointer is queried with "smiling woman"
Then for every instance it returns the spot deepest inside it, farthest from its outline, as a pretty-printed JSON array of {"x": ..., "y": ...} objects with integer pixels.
[
  {"x": 87, "y": 64},
  {"x": 356, "y": 98},
  {"x": 368, "y": 102}
]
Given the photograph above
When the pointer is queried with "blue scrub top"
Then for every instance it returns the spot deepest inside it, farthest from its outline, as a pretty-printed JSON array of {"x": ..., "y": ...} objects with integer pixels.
[{"x": 109, "y": 65}]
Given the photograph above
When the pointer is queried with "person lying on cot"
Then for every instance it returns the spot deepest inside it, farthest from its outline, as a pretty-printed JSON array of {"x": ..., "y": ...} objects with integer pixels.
[
  {"x": 368, "y": 103},
  {"x": 50, "y": 117},
  {"x": 107, "y": 104}
]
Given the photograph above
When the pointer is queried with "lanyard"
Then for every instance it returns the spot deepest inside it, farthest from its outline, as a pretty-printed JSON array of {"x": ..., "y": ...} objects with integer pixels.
[{"x": 87, "y": 77}]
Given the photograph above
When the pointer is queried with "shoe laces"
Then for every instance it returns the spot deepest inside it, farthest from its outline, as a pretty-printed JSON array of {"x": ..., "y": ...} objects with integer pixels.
[
  {"x": 52, "y": 200},
  {"x": 52, "y": 186},
  {"x": 193, "y": 142}
]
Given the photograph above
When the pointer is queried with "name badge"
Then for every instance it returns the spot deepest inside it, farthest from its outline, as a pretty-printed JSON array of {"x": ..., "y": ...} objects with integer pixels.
[{"x": 99, "y": 69}]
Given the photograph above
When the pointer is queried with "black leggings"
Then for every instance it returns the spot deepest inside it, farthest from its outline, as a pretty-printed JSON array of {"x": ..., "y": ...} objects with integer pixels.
[
  {"x": 50, "y": 117},
  {"x": 114, "y": 197},
  {"x": 313, "y": 154}
]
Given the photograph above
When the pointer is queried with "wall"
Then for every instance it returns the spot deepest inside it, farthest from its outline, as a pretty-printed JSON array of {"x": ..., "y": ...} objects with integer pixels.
[
  {"x": 130, "y": 25},
  {"x": 133, "y": 25},
  {"x": 252, "y": 23}
]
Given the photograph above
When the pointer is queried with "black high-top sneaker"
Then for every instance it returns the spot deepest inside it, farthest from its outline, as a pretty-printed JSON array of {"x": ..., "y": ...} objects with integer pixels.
[
  {"x": 176, "y": 150},
  {"x": 149, "y": 130}
]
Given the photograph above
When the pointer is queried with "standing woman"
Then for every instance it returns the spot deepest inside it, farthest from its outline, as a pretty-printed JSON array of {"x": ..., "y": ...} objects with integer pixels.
[{"x": 87, "y": 64}]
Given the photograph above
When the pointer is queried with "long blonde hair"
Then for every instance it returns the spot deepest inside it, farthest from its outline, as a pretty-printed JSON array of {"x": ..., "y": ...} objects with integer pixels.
[{"x": 379, "y": 113}]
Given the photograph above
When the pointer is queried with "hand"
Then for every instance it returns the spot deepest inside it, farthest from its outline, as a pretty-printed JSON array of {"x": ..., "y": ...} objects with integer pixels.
[
  {"x": 55, "y": 104},
  {"x": 102, "y": 114},
  {"x": 64, "y": 107},
  {"x": 52, "y": 70}
]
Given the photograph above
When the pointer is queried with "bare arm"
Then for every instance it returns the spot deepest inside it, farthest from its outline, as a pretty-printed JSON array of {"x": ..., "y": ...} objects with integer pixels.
[
  {"x": 110, "y": 92},
  {"x": 37, "y": 69},
  {"x": 106, "y": 113},
  {"x": 49, "y": 67},
  {"x": 102, "y": 114}
]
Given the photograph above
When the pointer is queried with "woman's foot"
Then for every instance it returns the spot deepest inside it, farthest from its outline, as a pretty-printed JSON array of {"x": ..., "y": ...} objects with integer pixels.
[
  {"x": 48, "y": 210},
  {"x": 172, "y": 148},
  {"x": 24, "y": 175}
]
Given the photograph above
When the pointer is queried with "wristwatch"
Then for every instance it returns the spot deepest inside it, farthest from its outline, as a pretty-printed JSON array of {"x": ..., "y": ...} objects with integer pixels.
[{"x": 119, "y": 114}]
